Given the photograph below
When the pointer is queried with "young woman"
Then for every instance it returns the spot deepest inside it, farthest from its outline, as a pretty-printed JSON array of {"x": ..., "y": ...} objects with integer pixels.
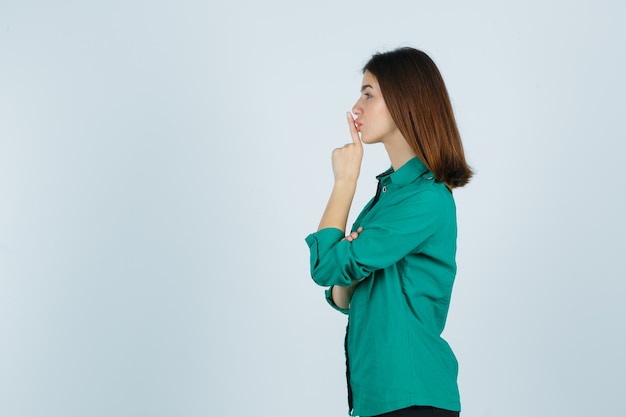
[{"x": 393, "y": 273}]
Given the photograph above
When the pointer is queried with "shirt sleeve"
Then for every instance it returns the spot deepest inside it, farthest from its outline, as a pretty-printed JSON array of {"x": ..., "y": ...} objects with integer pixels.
[{"x": 387, "y": 237}]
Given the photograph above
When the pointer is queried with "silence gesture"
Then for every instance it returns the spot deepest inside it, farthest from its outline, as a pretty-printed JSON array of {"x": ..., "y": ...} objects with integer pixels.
[{"x": 347, "y": 159}]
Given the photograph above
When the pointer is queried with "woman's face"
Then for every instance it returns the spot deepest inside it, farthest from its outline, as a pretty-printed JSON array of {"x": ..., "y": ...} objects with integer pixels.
[{"x": 373, "y": 120}]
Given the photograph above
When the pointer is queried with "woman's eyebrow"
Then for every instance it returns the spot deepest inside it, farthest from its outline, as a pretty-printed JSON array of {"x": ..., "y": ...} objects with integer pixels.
[{"x": 366, "y": 86}]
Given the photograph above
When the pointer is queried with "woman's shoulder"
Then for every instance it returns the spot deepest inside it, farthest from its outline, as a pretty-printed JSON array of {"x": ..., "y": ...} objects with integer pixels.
[
  {"x": 427, "y": 188},
  {"x": 427, "y": 196}
]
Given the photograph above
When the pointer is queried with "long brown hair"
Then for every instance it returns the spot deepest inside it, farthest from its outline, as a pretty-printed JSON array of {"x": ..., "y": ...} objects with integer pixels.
[{"x": 418, "y": 102}]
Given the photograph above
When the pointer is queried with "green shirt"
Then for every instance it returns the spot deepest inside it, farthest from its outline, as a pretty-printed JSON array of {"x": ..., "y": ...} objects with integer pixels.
[{"x": 406, "y": 253}]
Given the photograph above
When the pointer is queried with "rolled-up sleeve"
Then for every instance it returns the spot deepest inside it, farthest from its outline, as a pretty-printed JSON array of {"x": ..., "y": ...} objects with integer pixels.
[
  {"x": 330, "y": 259},
  {"x": 386, "y": 238}
]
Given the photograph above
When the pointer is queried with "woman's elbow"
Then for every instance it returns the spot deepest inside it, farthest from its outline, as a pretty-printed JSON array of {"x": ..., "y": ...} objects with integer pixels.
[{"x": 326, "y": 277}]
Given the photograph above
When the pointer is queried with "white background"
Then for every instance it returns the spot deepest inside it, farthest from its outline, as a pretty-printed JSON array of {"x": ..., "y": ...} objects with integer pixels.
[{"x": 161, "y": 163}]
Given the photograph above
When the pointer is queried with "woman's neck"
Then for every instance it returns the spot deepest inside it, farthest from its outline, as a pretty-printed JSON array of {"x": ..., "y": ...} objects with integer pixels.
[{"x": 399, "y": 151}]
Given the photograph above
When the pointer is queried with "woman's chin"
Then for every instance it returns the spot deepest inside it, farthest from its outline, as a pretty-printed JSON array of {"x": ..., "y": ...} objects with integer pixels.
[{"x": 368, "y": 140}]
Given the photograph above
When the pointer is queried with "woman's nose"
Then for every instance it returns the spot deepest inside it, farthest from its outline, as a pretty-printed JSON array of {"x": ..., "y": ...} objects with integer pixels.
[{"x": 356, "y": 109}]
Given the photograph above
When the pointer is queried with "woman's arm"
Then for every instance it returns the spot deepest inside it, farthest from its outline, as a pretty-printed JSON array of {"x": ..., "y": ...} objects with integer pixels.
[
  {"x": 346, "y": 169},
  {"x": 342, "y": 296}
]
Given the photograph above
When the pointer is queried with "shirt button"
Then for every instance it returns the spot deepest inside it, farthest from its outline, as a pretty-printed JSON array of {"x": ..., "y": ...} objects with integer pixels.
[{"x": 384, "y": 189}]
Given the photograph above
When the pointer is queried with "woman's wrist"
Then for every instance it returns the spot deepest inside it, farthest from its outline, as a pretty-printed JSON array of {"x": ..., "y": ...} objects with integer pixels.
[{"x": 346, "y": 183}]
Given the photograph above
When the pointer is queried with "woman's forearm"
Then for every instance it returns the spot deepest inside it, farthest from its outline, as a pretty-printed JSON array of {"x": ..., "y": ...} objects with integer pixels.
[
  {"x": 338, "y": 207},
  {"x": 343, "y": 295}
]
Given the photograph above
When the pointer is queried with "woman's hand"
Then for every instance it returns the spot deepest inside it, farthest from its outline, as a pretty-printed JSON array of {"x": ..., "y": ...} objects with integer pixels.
[
  {"x": 352, "y": 236},
  {"x": 347, "y": 159}
]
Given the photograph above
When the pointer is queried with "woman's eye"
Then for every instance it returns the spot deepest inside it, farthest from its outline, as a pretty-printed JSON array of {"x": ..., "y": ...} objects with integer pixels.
[{"x": 367, "y": 95}]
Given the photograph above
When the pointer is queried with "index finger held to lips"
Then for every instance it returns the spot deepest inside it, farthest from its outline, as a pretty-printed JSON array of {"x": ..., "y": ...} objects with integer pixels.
[{"x": 353, "y": 130}]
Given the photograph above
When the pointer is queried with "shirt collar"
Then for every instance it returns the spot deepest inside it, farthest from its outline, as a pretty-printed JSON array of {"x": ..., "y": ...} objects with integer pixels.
[{"x": 406, "y": 174}]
